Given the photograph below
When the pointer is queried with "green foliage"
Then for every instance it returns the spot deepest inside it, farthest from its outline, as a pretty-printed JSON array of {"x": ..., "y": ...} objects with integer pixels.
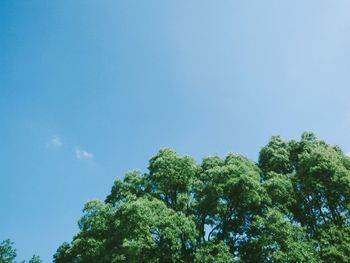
[
  {"x": 171, "y": 176},
  {"x": 278, "y": 241},
  {"x": 292, "y": 206},
  {"x": 275, "y": 157},
  {"x": 7, "y": 252},
  {"x": 35, "y": 259},
  {"x": 211, "y": 252},
  {"x": 228, "y": 195},
  {"x": 334, "y": 243},
  {"x": 64, "y": 254}
]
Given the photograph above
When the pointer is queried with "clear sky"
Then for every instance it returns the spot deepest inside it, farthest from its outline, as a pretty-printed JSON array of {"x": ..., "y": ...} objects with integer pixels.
[{"x": 92, "y": 89}]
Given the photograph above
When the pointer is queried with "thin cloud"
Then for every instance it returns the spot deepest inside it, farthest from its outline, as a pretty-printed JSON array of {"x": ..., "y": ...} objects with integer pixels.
[
  {"x": 54, "y": 142},
  {"x": 83, "y": 155}
]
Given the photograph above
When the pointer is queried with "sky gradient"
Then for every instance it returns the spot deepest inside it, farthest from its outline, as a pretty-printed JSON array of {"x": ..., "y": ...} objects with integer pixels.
[{"x": 92, "y": 89}]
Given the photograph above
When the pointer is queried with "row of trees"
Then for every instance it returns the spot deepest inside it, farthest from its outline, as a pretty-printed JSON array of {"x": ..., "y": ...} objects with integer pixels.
[
  {"x": 8, "y": 253},
  {"x": 292, "y": 206}
]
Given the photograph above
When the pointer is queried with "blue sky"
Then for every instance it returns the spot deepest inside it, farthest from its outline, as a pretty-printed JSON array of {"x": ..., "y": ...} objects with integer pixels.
[{"x": 92, "y": 89}]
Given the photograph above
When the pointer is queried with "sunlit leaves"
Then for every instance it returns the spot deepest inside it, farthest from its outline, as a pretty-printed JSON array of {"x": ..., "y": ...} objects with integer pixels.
[{"x": 290, "y": 207}]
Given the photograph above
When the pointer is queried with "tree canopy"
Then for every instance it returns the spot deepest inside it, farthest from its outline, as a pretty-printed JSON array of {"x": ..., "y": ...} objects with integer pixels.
[
  {"x": 291, "y": 206},
  {"x": 8, "y": 253}
]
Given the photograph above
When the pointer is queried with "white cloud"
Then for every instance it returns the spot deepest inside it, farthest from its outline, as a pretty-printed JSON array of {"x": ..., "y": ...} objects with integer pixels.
[
  {"x": 83, "y": 155},
  {"x": 55, "y": 141}
]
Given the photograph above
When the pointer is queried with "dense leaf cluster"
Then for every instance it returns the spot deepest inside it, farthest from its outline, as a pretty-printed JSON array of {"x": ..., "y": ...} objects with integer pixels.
[{"x": 292, "y": 206}]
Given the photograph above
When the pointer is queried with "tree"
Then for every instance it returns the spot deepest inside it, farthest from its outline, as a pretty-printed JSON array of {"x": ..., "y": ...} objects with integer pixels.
[
  {"x": 7, "y": 252},
  {"x": 292, "y": 206},
  {"x": 63, "y": 254},
  {"x": 229, "y": 195},
  {"x": 278, "y": 240},
  {"x": 335, "y": 244},
  {"x": 213, "y": 253},
  {"x": 35, "y": 259},
  {"x": 171, "y": 177},
  {"x": 275, "y": 157}
]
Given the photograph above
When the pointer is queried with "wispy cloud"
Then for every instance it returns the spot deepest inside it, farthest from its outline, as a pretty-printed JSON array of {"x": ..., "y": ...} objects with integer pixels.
[
  {"x": 82, "y": 154},
  {"x": 55, "y": 141}
]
